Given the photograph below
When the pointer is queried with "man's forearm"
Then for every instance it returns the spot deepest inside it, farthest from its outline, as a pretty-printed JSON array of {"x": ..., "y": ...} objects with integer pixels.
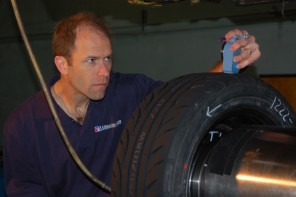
[{"x": 217, "y": 67}]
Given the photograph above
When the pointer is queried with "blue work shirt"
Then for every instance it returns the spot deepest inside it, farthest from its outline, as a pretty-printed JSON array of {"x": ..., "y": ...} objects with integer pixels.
[{"x": 36, "y": 160}]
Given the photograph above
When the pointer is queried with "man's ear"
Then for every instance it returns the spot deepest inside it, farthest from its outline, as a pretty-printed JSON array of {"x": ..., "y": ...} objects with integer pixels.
[{"x": 61, "y": 64}]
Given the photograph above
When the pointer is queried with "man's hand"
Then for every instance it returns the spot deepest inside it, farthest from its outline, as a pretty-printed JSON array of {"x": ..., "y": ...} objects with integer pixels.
[
  {"x": 250, "y": 51},
  {"x": 249, "y": 48}
]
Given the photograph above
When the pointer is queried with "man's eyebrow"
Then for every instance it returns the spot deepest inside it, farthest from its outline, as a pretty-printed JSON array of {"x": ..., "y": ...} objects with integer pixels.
[
  {"x": 92, "y": 56},
  {"x": 111, "y": 54}
]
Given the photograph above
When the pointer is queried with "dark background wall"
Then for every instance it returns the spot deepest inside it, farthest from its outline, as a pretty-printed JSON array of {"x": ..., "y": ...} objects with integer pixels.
[{"x": 162, "y": 42}]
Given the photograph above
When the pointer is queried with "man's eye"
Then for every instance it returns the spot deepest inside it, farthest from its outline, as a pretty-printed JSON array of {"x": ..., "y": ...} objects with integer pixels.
[
  {"x": 91, "y": 60},
  {"x": 109, "y": 58}
]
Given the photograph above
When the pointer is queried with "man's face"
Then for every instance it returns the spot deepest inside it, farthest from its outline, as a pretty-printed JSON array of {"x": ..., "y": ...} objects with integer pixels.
[{"x": 91, "y": 63}]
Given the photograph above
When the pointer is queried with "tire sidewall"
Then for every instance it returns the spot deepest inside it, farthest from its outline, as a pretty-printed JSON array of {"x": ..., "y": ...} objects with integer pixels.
[{"x": 195, "y": 123}]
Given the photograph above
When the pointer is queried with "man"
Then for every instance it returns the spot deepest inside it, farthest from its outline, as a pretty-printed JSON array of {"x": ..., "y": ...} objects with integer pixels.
[{"x": 93, "y": 105}]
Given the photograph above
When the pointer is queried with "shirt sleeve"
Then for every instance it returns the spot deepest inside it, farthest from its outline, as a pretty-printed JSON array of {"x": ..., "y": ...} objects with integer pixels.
[
  {"x": 20, "y": 171},
  {"x": 134, "y": 85},
  {"x": 145, "y": 85}
]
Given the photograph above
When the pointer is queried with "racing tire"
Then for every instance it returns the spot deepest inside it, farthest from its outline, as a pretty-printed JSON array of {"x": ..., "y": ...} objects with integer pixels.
[{"x": 172, "y": 130}]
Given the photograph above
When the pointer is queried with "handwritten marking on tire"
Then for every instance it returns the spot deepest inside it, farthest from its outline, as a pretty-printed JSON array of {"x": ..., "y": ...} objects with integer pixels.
[
  {"x": 281, "y": 109},
  {"x": 209, "y": 112}
]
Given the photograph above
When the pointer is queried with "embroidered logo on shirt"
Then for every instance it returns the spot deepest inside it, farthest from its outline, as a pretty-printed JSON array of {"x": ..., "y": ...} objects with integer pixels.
[{"x": 106, "y": 127}]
